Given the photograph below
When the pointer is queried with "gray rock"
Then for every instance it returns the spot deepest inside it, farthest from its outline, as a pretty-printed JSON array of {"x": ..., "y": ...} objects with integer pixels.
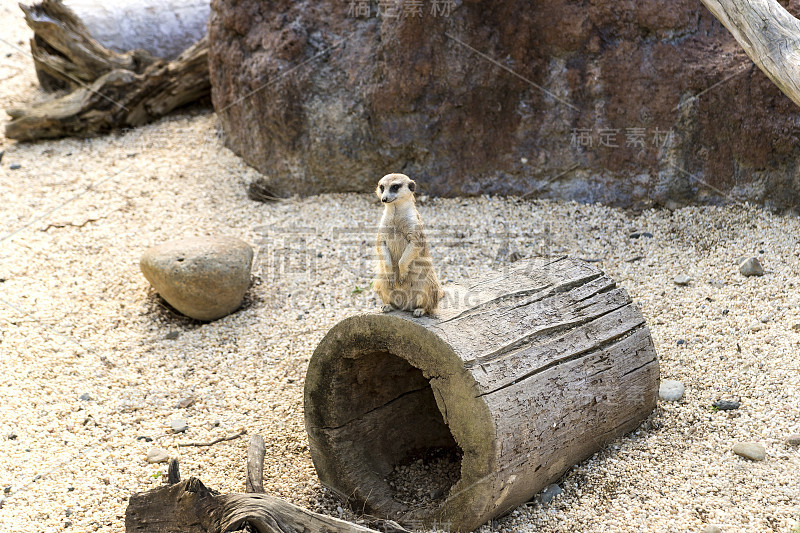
[
  {"x": 185, "y": 402},
  {"x": 726, "y": 405},
  {"x": 671, "y": 390},
  {"x": 157, "y": 455},
  {"x": 750, "y": 450},
  {"x": 14, "y": 166},
  {"x": 712, "y": 529},
  {"x": 682, "y": 279},
  {"x": 179, "y": 425},
  {"x": 793, "y": 440},
  {"x": 204, "y": 278},
  {"x": 85, "y": 397},
  {"x": 751, "y": 267},
  {"x": 550, "y": 492},
  {"x": 172, "y": 335}
]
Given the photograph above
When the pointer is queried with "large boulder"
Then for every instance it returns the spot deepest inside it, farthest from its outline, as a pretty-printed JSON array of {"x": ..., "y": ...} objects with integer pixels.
[{"x": 631, "y": 103}]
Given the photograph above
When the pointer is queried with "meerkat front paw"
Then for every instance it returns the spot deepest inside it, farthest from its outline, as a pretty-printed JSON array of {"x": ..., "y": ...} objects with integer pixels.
[
  {"x": 387, "y": 308},
  {"x": 402, "y": 274},
  {"x": 418, "y": 312}
]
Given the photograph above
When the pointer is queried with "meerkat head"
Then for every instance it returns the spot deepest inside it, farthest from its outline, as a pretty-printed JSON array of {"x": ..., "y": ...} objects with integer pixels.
[{"x": 396, "y": 188}]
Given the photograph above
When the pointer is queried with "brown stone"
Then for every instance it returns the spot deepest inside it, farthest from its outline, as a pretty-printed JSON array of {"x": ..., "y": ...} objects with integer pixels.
[
  {"x": 204, "y": 278},
  {"x": 322, "y": 98}
]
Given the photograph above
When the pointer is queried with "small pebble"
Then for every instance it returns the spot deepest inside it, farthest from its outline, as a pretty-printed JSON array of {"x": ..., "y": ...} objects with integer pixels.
[
  {"x": 671, "y": 390},
  {"x": 726, "y": 405},
  {"x": 172, "y": 335},
  {"x": 12, "y": 436},
  {"x": 682, "y": 279},
  {"x": 750, "y": 450},
  {"x": 67, "y": 524},
  {"x": 7, "y": 489},
  {"x": 681, "y": 342},
  {"x": 15, "y": 166},
  {"x": 179, "y": 425},
  {"x": 793, "y": 440},
  {"x": 185, "y": 402},
  {"x": 550, "y": 492},
  {"x": 712, "y": 529},
  {"x": 144, "y": 438},
  {"x": 85, "y": 397},
  {"x": 751, "y": 267},
  {"x": 68, "y": 511},
  {"x": 157, "y": 455}
]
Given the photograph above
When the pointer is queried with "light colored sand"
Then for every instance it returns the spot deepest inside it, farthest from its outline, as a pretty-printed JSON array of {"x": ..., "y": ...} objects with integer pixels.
[{"x": 77, "y": 316}]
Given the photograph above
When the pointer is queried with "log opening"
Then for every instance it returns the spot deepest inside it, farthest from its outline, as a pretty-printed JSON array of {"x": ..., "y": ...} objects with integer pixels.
[
  {"x": 394, "y": 426},
  {"x": 378, "y": 411}
]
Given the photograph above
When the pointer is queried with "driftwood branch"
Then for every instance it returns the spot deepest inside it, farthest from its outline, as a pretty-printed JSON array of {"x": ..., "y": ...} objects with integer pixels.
[
  {"x": 111, "y": 90},
  {"x": 769, "y": 34},
  {"x": 64, "y": 49},
  {"x": 190, "y": 507},
  {"x": 215, "y": 441},
  {"x": 173, "y": 472},
  {"x": 255, "y": 465}
]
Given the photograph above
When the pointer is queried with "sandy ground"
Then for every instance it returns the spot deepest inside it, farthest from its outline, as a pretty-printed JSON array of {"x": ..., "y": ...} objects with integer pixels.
[{"x": 77, "y": 316}]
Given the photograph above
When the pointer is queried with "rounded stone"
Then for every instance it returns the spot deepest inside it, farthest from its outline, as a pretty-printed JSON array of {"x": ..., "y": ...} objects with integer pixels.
[
  {"x": 751, "y": 267},
  {"x": 726, "y": 405},
  {"x": 157, "y": 455},
  {"x": 750, "y": 450},
  {"x": 204, "y": 278},
  {"x": 793, "y": 440},
  {"x": 551, "y": 492},
  {"x": 671, "y": 390},
  {"x": 179, "y": 425},
  {"x": 712, "y": 529},
  {"x": 682, "y": 279}
]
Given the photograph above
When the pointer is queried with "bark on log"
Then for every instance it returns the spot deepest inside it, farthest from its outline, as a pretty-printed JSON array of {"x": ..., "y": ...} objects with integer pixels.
[
  {"x": 190, "y": 507},
  {"x": 769, "y": 34},
  {"x": 113, "y": 90},
  {"x": 520, "y": 376}
]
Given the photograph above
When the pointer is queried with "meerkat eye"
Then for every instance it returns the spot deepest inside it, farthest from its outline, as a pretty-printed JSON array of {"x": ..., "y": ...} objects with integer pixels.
[
  {"x": 381, "y": 188},
  {"x": 395, "y": 187}
]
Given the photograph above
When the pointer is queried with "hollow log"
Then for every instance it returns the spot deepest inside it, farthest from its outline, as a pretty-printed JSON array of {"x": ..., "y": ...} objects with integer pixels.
[
  {"x": 519, "y": 376},
  {"x": 769, "y": 35}
]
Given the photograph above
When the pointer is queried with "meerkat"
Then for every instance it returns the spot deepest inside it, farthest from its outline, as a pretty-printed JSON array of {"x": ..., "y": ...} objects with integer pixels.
[{"x": 405, "y": 276}]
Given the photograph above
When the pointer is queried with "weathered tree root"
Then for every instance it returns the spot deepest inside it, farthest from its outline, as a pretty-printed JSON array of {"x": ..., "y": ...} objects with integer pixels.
[{"x": 110, "y": 90}]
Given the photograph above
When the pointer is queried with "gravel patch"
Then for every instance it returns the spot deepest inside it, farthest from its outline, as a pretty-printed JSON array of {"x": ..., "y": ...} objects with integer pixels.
[
  {"x": 77, "y": 316},
  {"x": 422, "y": 481}
]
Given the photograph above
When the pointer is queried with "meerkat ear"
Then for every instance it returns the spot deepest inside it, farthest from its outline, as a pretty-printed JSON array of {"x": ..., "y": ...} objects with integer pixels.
[{"x": 412, "y": 185}]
